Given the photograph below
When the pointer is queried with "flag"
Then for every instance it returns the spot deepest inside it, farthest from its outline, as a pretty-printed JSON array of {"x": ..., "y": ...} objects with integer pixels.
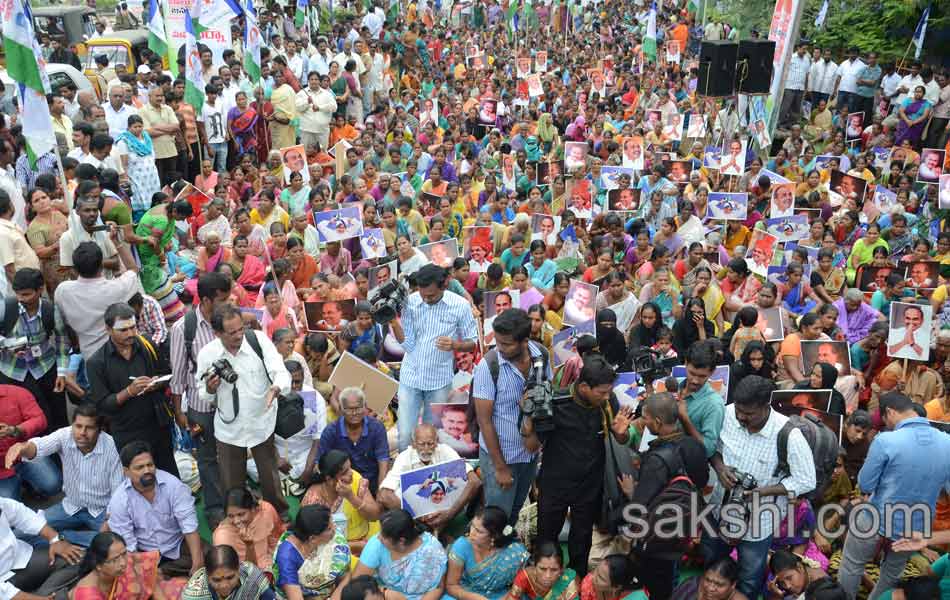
[
  {"x": 512, "y": 15},
  {"x": 822, "y": 13},
  {"x": 27, "y": 67},
  {"x": 649, "y": 41},
  {"x": 172, "y": 53},
  {"x": 301, "y": 13},
  {"x": 691, "y": 6},
  {"x": 208, "y": 14},
  {"x": 252, "y": 43},
  {"x": 156, "y": 29},
  {"x": 194, "y": 80},
  {"x": 920, "y": 33}
]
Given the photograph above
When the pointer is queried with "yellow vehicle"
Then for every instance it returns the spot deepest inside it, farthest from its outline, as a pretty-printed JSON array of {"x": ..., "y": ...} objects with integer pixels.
[{"x": 123, "y": 49}]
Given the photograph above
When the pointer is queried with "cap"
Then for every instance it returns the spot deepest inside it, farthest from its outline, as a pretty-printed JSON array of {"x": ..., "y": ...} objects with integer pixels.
[{"x": 143, "y": 69}]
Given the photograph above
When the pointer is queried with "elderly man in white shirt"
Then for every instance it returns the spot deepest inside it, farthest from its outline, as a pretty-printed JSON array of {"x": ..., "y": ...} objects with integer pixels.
[
  {"x": 426, "y": 451},
  {"x": 246, "y": 412},
  {"x": 117, "y": 111},
  {"x": 315, "y": 107}
]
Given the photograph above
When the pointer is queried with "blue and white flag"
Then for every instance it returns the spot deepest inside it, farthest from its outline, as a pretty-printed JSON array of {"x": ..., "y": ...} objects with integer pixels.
[
  {"x": 920, "y": 33},
  {"x": 822, "y": 14}
]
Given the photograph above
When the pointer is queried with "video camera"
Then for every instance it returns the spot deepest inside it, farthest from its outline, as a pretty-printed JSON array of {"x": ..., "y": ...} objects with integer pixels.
[
  {"x": 646, "y": 362},
  {"x": 538, "y": 402},
  {"x": 387, "y": 300}
]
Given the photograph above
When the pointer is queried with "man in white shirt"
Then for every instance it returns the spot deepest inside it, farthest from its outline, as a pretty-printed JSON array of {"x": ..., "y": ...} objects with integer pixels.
[
  {"x": 846, "y": 79},
  {"x": 315, "y": 106},
  {"x": 296, "y": 61},
  {"x": 374, "y": 21},
  {"x": 890, "y": 82},
  {"x": 795, "y": 83},
  {"x": 425, "y": 451},
  {"x": 91, "y": 461},
  {"x": 100, "y": 153},
  {"x": 33, "y": 572},
  {"x": 937, "y": 129},
  {"x": 82, "y": 136},
  {"x": 117, "y": 111},
  {"x": 247, "y": 406},
  {"x": 321, "y": 57},
  {"x": 349, "y": 54},
  {"x": 905, "y": 89},
  {"x": 931, "y": 87},
  {"x": 821, "y": 78},
  {"x": 9, "y": 183}
]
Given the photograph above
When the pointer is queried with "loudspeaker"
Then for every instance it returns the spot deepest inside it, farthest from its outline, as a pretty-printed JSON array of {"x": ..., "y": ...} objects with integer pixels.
[
  {"x": 717, "y": 68},
  {"x": 754, "y": 66}
]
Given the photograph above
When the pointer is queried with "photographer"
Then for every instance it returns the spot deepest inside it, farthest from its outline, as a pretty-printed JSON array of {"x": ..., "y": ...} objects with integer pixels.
[
  {"x": 435, "y": 326},
  {"x": 746, "y": 464},
  {"x": 572, "y": 474},
  {"x": 121, "y": 375},
  {"x": 243, "y": 374},
  {"x": 508, "y": 468}
]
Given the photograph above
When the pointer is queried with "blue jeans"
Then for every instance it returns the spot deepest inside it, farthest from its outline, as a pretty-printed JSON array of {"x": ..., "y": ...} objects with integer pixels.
[
  {"x": 77, "y": 529},
  {"x": 220, "y": 160},
  {"x": 411, "y": 401},
  {"x": 752, "y": 559},
  {"x": 42, "y": 475},
  {"x": 512, "y": 499}
]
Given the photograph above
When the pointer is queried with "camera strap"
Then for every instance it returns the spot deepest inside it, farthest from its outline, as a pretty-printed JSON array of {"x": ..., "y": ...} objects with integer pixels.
[{"x": 255, "y": 345}]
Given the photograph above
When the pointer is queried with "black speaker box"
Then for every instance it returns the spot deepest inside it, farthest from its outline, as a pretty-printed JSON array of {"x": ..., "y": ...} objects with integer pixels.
[
  {"x": 717, "y": 68},
  {"x": 754, "y": 66}
]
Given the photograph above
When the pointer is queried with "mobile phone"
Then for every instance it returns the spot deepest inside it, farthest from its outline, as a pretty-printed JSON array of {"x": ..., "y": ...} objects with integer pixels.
[{"x": 95, "y": 228}]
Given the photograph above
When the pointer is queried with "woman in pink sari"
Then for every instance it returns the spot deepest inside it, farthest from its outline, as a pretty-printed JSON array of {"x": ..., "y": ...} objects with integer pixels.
[
  {"x": 249, "y": 271},
  {"x": 110, "y": 572},
  {"x": 211, "y": 254},
  {"x": 242, "y": 119}
]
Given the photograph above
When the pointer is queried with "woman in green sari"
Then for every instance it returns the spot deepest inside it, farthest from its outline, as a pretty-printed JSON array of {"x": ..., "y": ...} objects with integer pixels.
[
  {"x": 862, "y": 253},
  {"x": 486, "y": 560},
  {"x": 545, "y": 578},
  {"x": 339, "y": 87},
  {"x": 157, "y": 228}
]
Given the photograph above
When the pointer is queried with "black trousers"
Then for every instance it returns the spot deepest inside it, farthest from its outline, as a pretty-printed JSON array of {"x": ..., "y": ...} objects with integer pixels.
[
  {"x": 160, "y": 439},
  {"x": 165, "y": 168},
  {"x": 181, "y": 566},
  {"x": 553, "y": 505},
  {"x": 40, "y": 578},
  {"x": 52, "y": 404}
]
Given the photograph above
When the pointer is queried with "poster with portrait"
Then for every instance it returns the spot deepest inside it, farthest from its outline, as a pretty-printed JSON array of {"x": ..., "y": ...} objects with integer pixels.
[
  {"x": 624, "y": 200},
  {"x": 712, "y": 157},
  {"x": 761, "y": 132},
  {"x": 910, "y": 331},
  {"x": 541, "y": 61},
  {"x": 575, "y": 155},
  {"x": 833, "y": 353},
  {"x": 329, "y": 315},
  {"x": 673, "y": 52},
  {"x": 442, "y": 253},
  {"x": 944, "y": 191},
  {"x": 535, "y": 87},
  {"x": 380, "y": 274},
  {"x": 294, "y": 160},
  {"x": 632, "y": 156},
  {"x": 732, "y": 160},
  {"x": 372, "y": 243},
  {"x": 760, "y": 252},
  {"x": 788, "y": 229},
  {"x": 495, "y": 304},
  {"x": 564, "y": 341},
  {"x": 873, "y": 278},
  {"x": 598, "y": 82},
  {"x": 488, "y": 111},
  {"x": 627, "y": 389},
  {"x": 931, "y": 165},
  {"x": 730, "y": 206},
  {"x": 882, "y": 158},
  {"x": 579, "y": 305},
  {"x": 340, "y": 224},
  {"x": 810, "y": 399},
  {"x": 673, "y": 127},
  {"x": 770, "y": 324},
  {"x": 545, "y": 227},
  {"x": 478, "y": 247},
  {"x": 429, "y": 113},
  {"x": 697, "y": 126},
  {"x": 774, "y": 177},
  {"x": 549, "y": 171},
  {"x": 885, "y": 199},
  {"x": 848, "y": 187},
  {"x": 654, "y": 117},
  {"x": 677, "y": 171},
  {"x": 783, "y": 200},
  {"x": 522, "y": 66},
  {"x": 451, "y": 425},
  {"x": 923, "y": 274},
  {"x": 580, "y": 199},
  {"x": 855, "y": 126},
  {"x": 610, "y": 177},
  {"x": 433, "y": 488},
  {"x": 476, "y": 62}
]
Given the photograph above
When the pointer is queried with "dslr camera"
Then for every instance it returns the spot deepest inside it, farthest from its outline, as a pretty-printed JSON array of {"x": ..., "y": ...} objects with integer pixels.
[
  {"x": 745, "y": 482},
  {"x": 223, "y": 369},
  {"x": 387, "y": 300},
  {"x": 646, "y": 362},
  {"x": 538, "y": 401}
]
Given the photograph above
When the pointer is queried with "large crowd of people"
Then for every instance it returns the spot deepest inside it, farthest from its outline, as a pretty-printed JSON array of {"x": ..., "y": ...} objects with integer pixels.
[{"x": 460, "y": 300}]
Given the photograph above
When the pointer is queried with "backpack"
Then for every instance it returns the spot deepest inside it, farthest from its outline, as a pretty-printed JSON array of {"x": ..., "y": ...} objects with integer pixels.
[
  {"x": 824, "y": 450},
  {"x": 676, "y": 498},
  {"x": 491, "y": 358},
  {"x": 11, "y": 313},
  {"x": 191, "y": 328}
]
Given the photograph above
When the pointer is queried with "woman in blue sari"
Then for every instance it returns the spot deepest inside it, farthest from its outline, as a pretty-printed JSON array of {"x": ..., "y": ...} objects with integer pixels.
[
  {"x": 485, "y": 561},
  {"x": 404, "y": 559},
  {"x": 913, "y": 113}
]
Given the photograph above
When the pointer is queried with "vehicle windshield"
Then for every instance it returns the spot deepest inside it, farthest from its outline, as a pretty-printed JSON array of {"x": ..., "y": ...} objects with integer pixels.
[{"x": 117, "y": 54}]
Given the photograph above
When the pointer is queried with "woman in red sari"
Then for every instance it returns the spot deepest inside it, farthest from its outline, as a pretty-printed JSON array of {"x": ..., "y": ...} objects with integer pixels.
[
  {"x": 249, "y": 271},
  {"x": 110, "y": 572},
  {"x": 264, "y": 109},
  {"x": 242, "y": 121}
]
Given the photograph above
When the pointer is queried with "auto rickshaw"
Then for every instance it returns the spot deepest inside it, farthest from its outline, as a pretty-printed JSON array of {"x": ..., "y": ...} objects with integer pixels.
[
  {"x": 72, "y": 24},
  {"x": 121, "y": 48}
]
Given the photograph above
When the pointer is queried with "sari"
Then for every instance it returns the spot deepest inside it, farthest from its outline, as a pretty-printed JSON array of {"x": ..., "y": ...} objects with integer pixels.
[
  {"x": 588, "y": 592},
  {"x": 565, "y": 588},
  {"x": 357, "y": 527},
  {"x": 251, "y": 275},
  {"x": 714, "y": 301},
  {"x": 914, "y": 109},
  {"x": 155, "y": 278},
  {"x": 242, "y": 125},
  {"x": 834, "y": 281},
  {"x": 317, "y": 574},
  {"x": 493, "y": 576},
  {"x": 253, "y": 585},
  {"x": 137, "y": 582},
  {"x": 413, "y": 575},
  {"x": 265, "y": 529}
]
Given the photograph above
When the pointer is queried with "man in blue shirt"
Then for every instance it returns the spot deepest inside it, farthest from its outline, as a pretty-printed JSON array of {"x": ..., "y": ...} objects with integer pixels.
[
  {"x": 361, "y": 436},
  {"x": 435, "y": 326},
  {"x": 903, "y": 478}
]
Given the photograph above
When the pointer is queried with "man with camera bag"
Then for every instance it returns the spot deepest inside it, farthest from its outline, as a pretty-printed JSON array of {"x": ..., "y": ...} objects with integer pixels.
[
  {"x": 243, "y": 374},
  {"x": 747, "y": 465},
  {"x": 575, "y": 456},
  {"x": 435, "y": 325},
  {"x": 122, "y": 375}
]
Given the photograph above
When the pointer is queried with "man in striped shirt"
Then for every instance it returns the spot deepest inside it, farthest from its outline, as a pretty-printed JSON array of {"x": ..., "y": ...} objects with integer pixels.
[
  {"x": 90, "y": 459},
  {"x": 435, "y": 325}
]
